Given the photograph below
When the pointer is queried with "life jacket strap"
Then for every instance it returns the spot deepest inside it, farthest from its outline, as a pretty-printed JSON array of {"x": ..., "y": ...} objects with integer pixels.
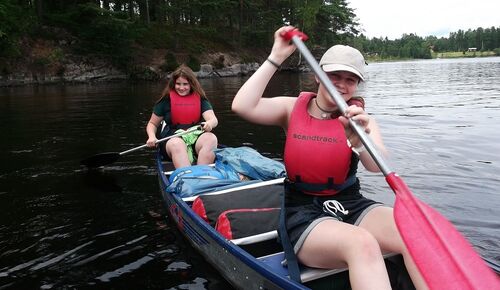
[
  {"x": 329, "y": 185},
  {"x": 291, "y": 260}
]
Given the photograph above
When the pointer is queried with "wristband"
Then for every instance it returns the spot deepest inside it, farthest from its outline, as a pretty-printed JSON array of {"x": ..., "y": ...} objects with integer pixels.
[
  {"x": 276, "y": 65},
  {"x": 359, "y": 149}
]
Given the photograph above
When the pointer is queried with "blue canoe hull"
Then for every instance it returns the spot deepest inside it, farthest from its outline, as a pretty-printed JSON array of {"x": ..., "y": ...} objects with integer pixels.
[{"x": 237, "y": 266}]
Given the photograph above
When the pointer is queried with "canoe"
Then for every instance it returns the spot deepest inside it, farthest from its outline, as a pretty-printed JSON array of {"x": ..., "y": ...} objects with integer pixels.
[
  {"x": 251, "y": 261},
  {"x": 255, "y": 261}
]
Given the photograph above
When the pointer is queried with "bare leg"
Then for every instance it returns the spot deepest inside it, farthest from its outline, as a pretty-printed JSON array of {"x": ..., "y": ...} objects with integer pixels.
[
  {"x": 177, "y": 151},
  {"x": 334, "y": 244},
  {"x": 380, "y": 222},
  {"x": 204, "y": 147}
]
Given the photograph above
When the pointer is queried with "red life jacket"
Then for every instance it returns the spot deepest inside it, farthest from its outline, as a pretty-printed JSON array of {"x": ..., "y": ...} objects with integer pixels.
[
  {"x": 317, "y": 156},
  {"x": 185, "y": 110}
]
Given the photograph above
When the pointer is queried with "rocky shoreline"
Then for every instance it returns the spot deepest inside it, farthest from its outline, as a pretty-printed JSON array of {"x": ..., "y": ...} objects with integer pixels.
[
  {"x": 79, "y": 69},
  {"x": 86, "y": 73}
]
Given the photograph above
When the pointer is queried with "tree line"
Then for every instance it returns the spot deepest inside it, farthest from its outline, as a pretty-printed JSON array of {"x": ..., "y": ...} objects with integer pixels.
[
  {"x": 413, "y": 46},
  {"x": 113, "y": 28}
]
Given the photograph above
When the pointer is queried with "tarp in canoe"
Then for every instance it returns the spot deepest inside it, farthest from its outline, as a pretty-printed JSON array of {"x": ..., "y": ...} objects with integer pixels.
[{"x": 230, "y": 164}]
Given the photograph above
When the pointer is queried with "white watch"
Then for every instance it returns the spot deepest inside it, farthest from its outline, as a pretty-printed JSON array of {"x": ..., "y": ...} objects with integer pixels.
[{"x": 359, "y": 149}]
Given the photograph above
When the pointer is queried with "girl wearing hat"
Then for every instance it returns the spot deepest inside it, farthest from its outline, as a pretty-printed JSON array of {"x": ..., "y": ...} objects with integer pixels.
[{"x": 326, "y": 222}]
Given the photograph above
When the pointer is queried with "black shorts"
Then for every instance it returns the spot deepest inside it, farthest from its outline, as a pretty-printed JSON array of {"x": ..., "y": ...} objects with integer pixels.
[{"x": 303, "y": 212}]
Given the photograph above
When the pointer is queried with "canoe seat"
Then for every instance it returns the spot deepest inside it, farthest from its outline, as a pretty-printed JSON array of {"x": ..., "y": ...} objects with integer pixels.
[
  {"x": 306, "y": 273},
  {"x": 243, "y": 189},
  {"x": 255, "y": 238}
]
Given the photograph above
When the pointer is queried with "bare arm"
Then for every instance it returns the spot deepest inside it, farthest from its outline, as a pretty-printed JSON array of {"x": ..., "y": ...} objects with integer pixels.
[
  {"x": 210, "y": 120},
  {"x": 376, "y": 137},
  {"x": 248, "y": 102},
  {"x": 151, "y": 128},
  {"x": 371, "y": 127}
]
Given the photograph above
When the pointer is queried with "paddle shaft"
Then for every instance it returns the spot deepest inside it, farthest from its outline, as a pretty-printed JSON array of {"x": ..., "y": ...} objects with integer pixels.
[
  {"x": 341, "y": 104},
  {"x": 162, "y": 139}
]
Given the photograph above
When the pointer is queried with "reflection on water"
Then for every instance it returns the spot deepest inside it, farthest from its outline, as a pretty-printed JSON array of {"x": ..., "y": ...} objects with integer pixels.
[
  {"x": 102, "y": 181},
  {"x": 65, "y": 227}
]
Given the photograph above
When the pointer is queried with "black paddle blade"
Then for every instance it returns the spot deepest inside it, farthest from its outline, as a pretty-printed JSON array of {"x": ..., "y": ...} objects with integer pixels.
[{"x": 100, "y": 159}]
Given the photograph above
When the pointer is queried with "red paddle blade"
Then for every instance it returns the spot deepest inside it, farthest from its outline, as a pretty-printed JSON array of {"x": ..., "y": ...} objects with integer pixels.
[{"x": 443, "y": 256}]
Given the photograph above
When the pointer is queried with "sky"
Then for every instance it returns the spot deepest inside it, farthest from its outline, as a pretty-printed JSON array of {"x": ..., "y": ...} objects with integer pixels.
[{"x": 393, "y": 18}]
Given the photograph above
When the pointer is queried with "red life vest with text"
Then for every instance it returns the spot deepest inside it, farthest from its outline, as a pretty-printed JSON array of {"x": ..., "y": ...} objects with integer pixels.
[
  {"x": 185, "y": 110},
  {"x": 317, "y": 156}
]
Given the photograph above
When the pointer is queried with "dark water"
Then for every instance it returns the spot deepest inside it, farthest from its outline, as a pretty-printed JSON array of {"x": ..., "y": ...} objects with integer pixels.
[{"x": 63, "y": 227}]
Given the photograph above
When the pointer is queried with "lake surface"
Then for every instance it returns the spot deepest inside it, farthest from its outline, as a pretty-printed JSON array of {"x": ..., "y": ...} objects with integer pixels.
[{"x": 63, "y": 227}]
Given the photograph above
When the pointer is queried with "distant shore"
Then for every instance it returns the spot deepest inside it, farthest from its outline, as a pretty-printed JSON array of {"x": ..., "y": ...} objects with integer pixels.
[
  {"x": 459, "y": 54},
  {"x": 438, "y": 55},
  {"x": 87, "y": 70}
]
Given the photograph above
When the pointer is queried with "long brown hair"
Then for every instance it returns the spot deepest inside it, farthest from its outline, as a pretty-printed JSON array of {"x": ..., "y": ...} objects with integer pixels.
[{"x": 185, "y": 72}]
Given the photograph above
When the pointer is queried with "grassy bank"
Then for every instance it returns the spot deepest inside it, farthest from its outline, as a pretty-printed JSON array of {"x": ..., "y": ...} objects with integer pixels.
[
  {"x": 449, "y": 54},
  {"x": 458, "y": 54}
]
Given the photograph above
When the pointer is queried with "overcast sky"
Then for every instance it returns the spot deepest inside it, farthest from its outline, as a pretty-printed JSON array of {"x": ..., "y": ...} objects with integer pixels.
[{"x": 393, "y": 18}]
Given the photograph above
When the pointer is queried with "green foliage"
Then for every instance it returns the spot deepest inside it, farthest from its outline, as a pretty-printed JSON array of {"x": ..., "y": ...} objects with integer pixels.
[
  {"x": 482, "y": 39},
  {"x": 335, "y": 23},
  {"x": 103, "y": 32},
  {"x": 156, "y": 35},
  {"x": 14, "y": 22},
  {"x": 253, "y": 38},
  {"x": 412, "y": 46},
  {"x": 197, "y": 26},
  {"x": 200, "y": 39},
  {"x": 170, "y": 63},
  {"x": 57, "y": 55},
  {"x": 193, "y": 63}
]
